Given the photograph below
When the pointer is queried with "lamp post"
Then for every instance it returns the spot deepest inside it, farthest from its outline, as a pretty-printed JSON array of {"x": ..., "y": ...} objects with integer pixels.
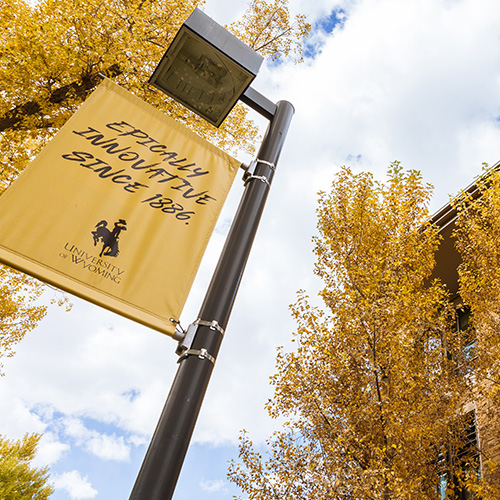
[{"x": 227, "y": 66}]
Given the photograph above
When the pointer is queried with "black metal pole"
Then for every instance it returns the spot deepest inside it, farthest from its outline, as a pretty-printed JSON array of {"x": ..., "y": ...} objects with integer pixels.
[{"x": 163, "y": 461}]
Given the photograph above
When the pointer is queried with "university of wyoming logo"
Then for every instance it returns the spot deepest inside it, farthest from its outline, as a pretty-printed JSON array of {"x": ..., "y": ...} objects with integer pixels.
[{"x": 109, "y": 239}]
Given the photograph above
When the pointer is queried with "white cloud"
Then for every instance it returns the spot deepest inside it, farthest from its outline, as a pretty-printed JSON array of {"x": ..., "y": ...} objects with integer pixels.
[
  {"x": 89, "y": 362},
  {"x": 400, "y": 81},
  {"x": 78, "y": 487},
  {"x": 50, "y": 450},
  {"x": 213, "y": 486},
  {"x": 109, "y": 447},
  {"x": 19, "y": 419},
  {"x": 104, "y": 446}
]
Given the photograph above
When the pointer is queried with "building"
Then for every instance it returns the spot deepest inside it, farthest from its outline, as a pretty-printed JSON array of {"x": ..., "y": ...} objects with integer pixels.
[{"x": 483, "y": 432}]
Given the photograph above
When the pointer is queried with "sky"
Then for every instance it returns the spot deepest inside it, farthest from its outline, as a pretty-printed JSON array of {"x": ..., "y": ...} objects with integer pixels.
[{"x": 415, "y": 81}]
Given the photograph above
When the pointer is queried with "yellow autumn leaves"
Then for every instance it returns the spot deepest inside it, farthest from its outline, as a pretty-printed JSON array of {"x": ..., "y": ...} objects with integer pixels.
[
  {"x": 53, "y": 53},
  {"x": 372, "y": 392}
]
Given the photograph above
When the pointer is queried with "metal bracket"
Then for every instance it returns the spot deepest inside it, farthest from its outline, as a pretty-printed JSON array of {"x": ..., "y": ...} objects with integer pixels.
[
  {"x": 247, "y": 176},
  {"x": 214, "y": 325},
  {"x": 246, "y": 170},
  {"x": 179, "y": 333},
  {"x": 272, "y": 166},
  {"x": 186, "y": 342},
  {"x": 262, "y": 178},
  {"x": 201, "y": 353},
  {"x": 184, "y": 346},
  {"x": 259, "y": 103}
]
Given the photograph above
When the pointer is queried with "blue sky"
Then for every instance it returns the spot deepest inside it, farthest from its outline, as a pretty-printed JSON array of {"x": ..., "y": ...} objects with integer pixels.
[{"x": 415, "y": 81}]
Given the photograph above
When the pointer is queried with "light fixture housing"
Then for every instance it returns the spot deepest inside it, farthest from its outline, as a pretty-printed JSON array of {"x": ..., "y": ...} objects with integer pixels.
[{"x": 206, "y": 68}]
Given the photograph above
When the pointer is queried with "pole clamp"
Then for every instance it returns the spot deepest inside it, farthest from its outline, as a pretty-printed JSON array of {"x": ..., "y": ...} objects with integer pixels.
[
  {"x": 247, "y": 176},
  {"x": 201, "y": 353},
  {"x": 184, "y": 345},
  {"x": 272, "y": 166},
  {"x": 262, "y": 178},
  {"x": 212, "y": 324}
]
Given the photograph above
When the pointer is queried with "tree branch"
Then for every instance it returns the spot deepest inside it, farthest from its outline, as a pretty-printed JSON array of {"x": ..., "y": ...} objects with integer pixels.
[{"x": 15, "y": 116}]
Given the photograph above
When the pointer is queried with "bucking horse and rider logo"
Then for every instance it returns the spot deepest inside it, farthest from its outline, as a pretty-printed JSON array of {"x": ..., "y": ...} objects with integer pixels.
[{"x": 108, "y": 238}]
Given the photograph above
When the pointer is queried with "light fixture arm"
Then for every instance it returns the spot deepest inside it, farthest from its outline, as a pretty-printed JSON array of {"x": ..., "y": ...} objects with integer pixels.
[{"x": 259, "y": 103}]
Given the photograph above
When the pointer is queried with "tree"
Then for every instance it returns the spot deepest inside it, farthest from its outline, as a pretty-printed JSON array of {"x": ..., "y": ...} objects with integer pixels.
[
  {"x": 371, "y": 396},
  {"x": 19, "y": 312},
  {"x": 53, "y": 53},
  {"x": 478, "y": 241},
  {"x": 267, "y": 29},
  {"x": 19, "y": 480}
]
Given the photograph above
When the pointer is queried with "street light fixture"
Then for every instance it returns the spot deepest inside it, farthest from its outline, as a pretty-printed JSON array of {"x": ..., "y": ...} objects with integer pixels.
[
  {"x": 199, "y": 347},
  {"x": 206, "y": 68}
]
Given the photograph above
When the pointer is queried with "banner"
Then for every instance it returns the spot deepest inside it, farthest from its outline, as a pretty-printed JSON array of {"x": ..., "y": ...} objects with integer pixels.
[{"x": 118, "y": 208}]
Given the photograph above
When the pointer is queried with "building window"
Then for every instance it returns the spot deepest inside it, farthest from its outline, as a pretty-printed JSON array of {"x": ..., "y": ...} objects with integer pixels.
[
  {"x": 463, "y": 324},
  {"x": 466, "y": 356}
]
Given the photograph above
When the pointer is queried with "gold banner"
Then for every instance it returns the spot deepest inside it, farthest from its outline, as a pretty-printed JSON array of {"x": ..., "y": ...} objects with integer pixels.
[{"x": 118, "y": 208}]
